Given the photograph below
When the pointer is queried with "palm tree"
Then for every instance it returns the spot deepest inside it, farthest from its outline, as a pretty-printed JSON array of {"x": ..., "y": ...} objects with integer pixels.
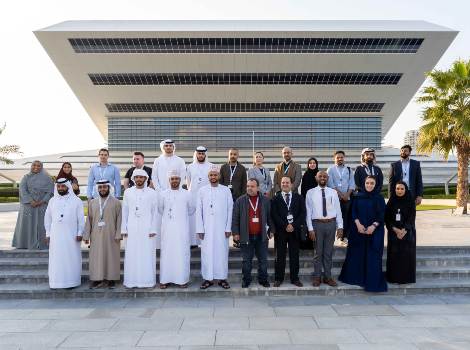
[
  {"x": 446, "y": 119},
  {"x": 5, "y": 151}
]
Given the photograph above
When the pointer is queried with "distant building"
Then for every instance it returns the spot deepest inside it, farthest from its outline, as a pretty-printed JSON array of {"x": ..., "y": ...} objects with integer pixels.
[{"x": 411, "y": 138}]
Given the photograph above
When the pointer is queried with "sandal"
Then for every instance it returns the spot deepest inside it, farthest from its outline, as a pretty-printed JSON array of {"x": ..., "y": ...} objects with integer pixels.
[
  {"x": 183, "y": 285},
  {"x": 206, "y": 284},
  {"x": 224, "y": 284},
  {"x": 163, "y": 286}
]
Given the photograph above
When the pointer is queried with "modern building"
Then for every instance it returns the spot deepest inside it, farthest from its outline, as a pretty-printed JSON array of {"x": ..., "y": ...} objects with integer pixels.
[
  {"x": 308, "y": 84},
  {"x": 411, "y": 138}
]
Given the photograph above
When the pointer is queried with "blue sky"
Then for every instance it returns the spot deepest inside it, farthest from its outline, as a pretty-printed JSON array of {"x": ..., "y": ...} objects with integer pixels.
[{"x": 43, "y": 116}]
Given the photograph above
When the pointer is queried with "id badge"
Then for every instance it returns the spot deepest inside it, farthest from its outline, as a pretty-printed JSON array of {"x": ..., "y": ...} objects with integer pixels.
[
  {"x": 398, "y": 217},
  {"x": 101, "y": 223},
  {"x": 290, "y": 218},
  {"x": 256, "y": 220},
  {"x": 61, "y": 218},
  {"x": 230, "y": 186}
]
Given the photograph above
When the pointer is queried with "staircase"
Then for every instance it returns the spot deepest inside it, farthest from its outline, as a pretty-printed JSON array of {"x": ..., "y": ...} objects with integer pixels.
[{"x": 23, "y": 274}]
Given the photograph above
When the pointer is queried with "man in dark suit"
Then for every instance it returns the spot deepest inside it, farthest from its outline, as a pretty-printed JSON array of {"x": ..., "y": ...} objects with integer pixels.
[
  {"x": 288, "y": 214},
  {"x": 233, "y": 174},
  {"x": 408, "y": 170}
]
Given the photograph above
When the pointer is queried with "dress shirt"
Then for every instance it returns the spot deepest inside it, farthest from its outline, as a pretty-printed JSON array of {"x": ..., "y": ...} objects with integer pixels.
[
  {"x": 103, "y": 172},
  {"x": 341, "y": 178},
  {"x": 405, "y": 171},
  {"x": 313, "y": 203}
]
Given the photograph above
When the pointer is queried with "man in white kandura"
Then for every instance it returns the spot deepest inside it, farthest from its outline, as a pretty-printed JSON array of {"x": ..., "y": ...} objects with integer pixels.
[
  {"x": 213, "y": 224},
  {"x": 139, "y": 226},
  {"x": 196, "y": 177},
  {"x": 175, "y": 206},
  {"x": 64, "y": 222},
  {"x": 165, "y": 163}
]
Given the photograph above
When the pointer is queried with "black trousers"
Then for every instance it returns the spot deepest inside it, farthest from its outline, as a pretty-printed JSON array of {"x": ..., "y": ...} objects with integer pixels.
[
  {"x": 282, "y": 241},
  {"x": 345, "y": 207}
]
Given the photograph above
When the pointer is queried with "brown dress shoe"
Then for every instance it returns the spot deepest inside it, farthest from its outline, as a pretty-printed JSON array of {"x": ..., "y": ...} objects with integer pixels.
[
  {"x": 316, "y": 282},
  {"x": 298, "y": 284},
  {"x": 330, "y": 281},
  {"x": 277, "y": 284}
]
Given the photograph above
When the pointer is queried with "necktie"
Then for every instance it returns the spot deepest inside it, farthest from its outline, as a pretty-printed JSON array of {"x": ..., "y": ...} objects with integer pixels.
[
  {"x": 287, "y": 199},
  {"x": 323, "y": 201}
]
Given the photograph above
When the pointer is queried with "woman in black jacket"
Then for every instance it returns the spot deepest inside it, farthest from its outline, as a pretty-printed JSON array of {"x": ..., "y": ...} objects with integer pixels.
[{"x": 308, "y": 179}]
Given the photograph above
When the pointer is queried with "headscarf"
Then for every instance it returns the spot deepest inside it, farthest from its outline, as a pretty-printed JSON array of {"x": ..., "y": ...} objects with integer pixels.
[
  {"x": 406, "y": 204},
  {"x": 38, "y": 183},
  {"x": 166, "y": 142},
  {"x": 309, "y": 180},
  {"x": 215, "y": 168},
  {"x": 200, "y": 149},
  {"x": 63, "y": 181},
  {"x": 367, "y": 150},
  {"x": 70, "y": 177},
  {"x": 363, "y": 193},
  {"x": 106, "y": 182},
  {"x": 140, "y": 172}
]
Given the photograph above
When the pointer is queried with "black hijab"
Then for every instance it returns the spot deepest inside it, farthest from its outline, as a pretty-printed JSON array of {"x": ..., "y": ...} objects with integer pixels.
[
  {"x": 308, "y": 179},
  {"x": 406, "y": 204}
]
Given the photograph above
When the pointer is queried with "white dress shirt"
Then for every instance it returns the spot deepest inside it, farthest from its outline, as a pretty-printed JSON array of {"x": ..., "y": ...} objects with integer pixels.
[{"x": 314, "y": 205}]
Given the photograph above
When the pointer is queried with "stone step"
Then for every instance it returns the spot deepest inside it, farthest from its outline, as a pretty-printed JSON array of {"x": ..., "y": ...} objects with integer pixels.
[
  {"x": 25, "y": 253},
  {"x": 235, "y": 275},
  {"x": 42, "y": 291},
  {"x": 236, "y": 261}
]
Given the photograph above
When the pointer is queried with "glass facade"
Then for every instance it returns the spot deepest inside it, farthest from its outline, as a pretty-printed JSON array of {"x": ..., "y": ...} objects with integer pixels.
[
  {"x": 223, "y": 132},
  {"x": 246, "y": 45},
  {"x": 338, "y": 107},
  {"x": 244, "y": 78}
]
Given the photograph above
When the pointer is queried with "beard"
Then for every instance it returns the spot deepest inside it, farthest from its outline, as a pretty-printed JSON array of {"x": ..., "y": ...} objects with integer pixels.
[
  {"x": 63, "y": 192},
  {"x": 103, "y": 195}
]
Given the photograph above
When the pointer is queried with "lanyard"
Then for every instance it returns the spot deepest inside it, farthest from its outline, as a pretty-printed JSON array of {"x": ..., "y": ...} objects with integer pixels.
[
  {"x": 367, "y": 170},
  {"x": 255, "y": 208},
  {"x": 287, "y": 168},
  {"x": 232, "y": 172},
  {"x": 102, "y": 173},
  {"x": 405, "y": 168},
  {"x": 340, "y": 174},
  {"x": 63, "y": 206},
  {"x": 102, "y": 207}
]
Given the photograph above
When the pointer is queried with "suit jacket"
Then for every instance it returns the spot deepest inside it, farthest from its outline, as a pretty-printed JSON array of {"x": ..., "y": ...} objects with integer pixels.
[
  {"x": 360, "y": 178},
  {"x": 294, "y": 172},
  {"x": 238, "y": 181},
  {"x": 415, "y": 178},
  {"x": 240, "y": 217},
  {"x": 279, "y": 213}
]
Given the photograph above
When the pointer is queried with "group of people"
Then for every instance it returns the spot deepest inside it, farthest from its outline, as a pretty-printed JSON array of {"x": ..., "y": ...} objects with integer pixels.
[{"x": 159, "y": 213}]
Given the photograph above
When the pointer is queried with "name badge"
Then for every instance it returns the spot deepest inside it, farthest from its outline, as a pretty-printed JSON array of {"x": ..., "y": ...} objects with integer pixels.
[
  {"x": 290, "y": 218},
  {"x": 101, "y": 223},
  {"x": 230, "y": 186},
  {"x": 256, "y": 220},
  {"x": 398, "y": 217}
]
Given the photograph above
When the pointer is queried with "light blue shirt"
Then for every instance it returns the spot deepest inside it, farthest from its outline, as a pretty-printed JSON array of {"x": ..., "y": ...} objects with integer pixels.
[
  {"x": 341, "y": 178},
  {"x": 405, "y": 172},
  {"x": 109, "y": 172}
]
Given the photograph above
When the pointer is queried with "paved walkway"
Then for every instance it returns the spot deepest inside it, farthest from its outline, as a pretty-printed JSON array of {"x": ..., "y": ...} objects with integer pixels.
[
  {"x": 281, "y": 323},
  {"x": 434, "y": 227}
]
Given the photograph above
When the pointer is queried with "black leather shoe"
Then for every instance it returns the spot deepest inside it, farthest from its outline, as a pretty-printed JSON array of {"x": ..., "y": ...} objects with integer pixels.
[
  {"x": 245, "y": 284},
  {"x": 265, "y": 284},
  {"x": 277, "y": 284},
  {"x": 298, "y": 284}
]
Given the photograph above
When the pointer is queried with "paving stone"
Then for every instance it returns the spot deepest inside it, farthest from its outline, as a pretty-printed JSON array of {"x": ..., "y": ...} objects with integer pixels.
[
  {"x": 429, "y": 310},
  {"x": 183, "y": 312},
  {"x": 165, "y": 338},
  {"x": 243, "y": 312},
  {"x": 215, "y": 323},
  {"x": 365, "y": 310},
  {"x": 316, "y": 310},
  {"x": 98, "y": 339},
  {"x": 50, "y": 339},
  {"x": 122, "y": 313},
  {"x": 58, "y": 314},
  {"x": 349, "y": 322},
  {"x": 167, "y": 323},
  {"x": 414, "y": 321},
  {"x": 252, "y": 337},
  {"x": 453, "y": 334},
  {"x": 282, "y": 322},
  {"x": 300, "y": 347},
  {"x": 81, "y": 325},
  {"x": 219, "y": 347},
  {"x": 399, "y": 335},
  {"x": 457, "y": 320},
  {"x": 22, "y": 325},
  {"x": 326, "y": 336},
  {"x": 401, "y": 346},
  {"x": 443, "y": 346},
  {"x": 254, "y": 302}
]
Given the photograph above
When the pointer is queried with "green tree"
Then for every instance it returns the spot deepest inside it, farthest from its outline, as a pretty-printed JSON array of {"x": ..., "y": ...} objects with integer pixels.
[
  {"x": 446, "y": 120},
  {"x": 5, "y": 151}
]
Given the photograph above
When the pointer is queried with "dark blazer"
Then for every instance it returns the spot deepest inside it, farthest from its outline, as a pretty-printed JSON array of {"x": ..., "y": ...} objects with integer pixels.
[
  {"x": 238, "y": 181},
  {"x": 240, "y": 217},
  {"x": 279, "y": 212},
  {"x": 416, "y": 179},
  {"x": 360, "y": 178}
]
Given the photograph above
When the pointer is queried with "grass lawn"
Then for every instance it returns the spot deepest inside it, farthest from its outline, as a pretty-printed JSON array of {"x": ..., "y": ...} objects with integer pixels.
[{"x": 423, "y": 207}]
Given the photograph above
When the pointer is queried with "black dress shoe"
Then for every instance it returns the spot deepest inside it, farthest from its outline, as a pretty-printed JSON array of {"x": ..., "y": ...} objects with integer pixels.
[
  {"x": 298, "y": 284},
  {"x": 277, "y": 283},
  {"x": 265, "y": 284},
  {"x": 245, "y": 284}
]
